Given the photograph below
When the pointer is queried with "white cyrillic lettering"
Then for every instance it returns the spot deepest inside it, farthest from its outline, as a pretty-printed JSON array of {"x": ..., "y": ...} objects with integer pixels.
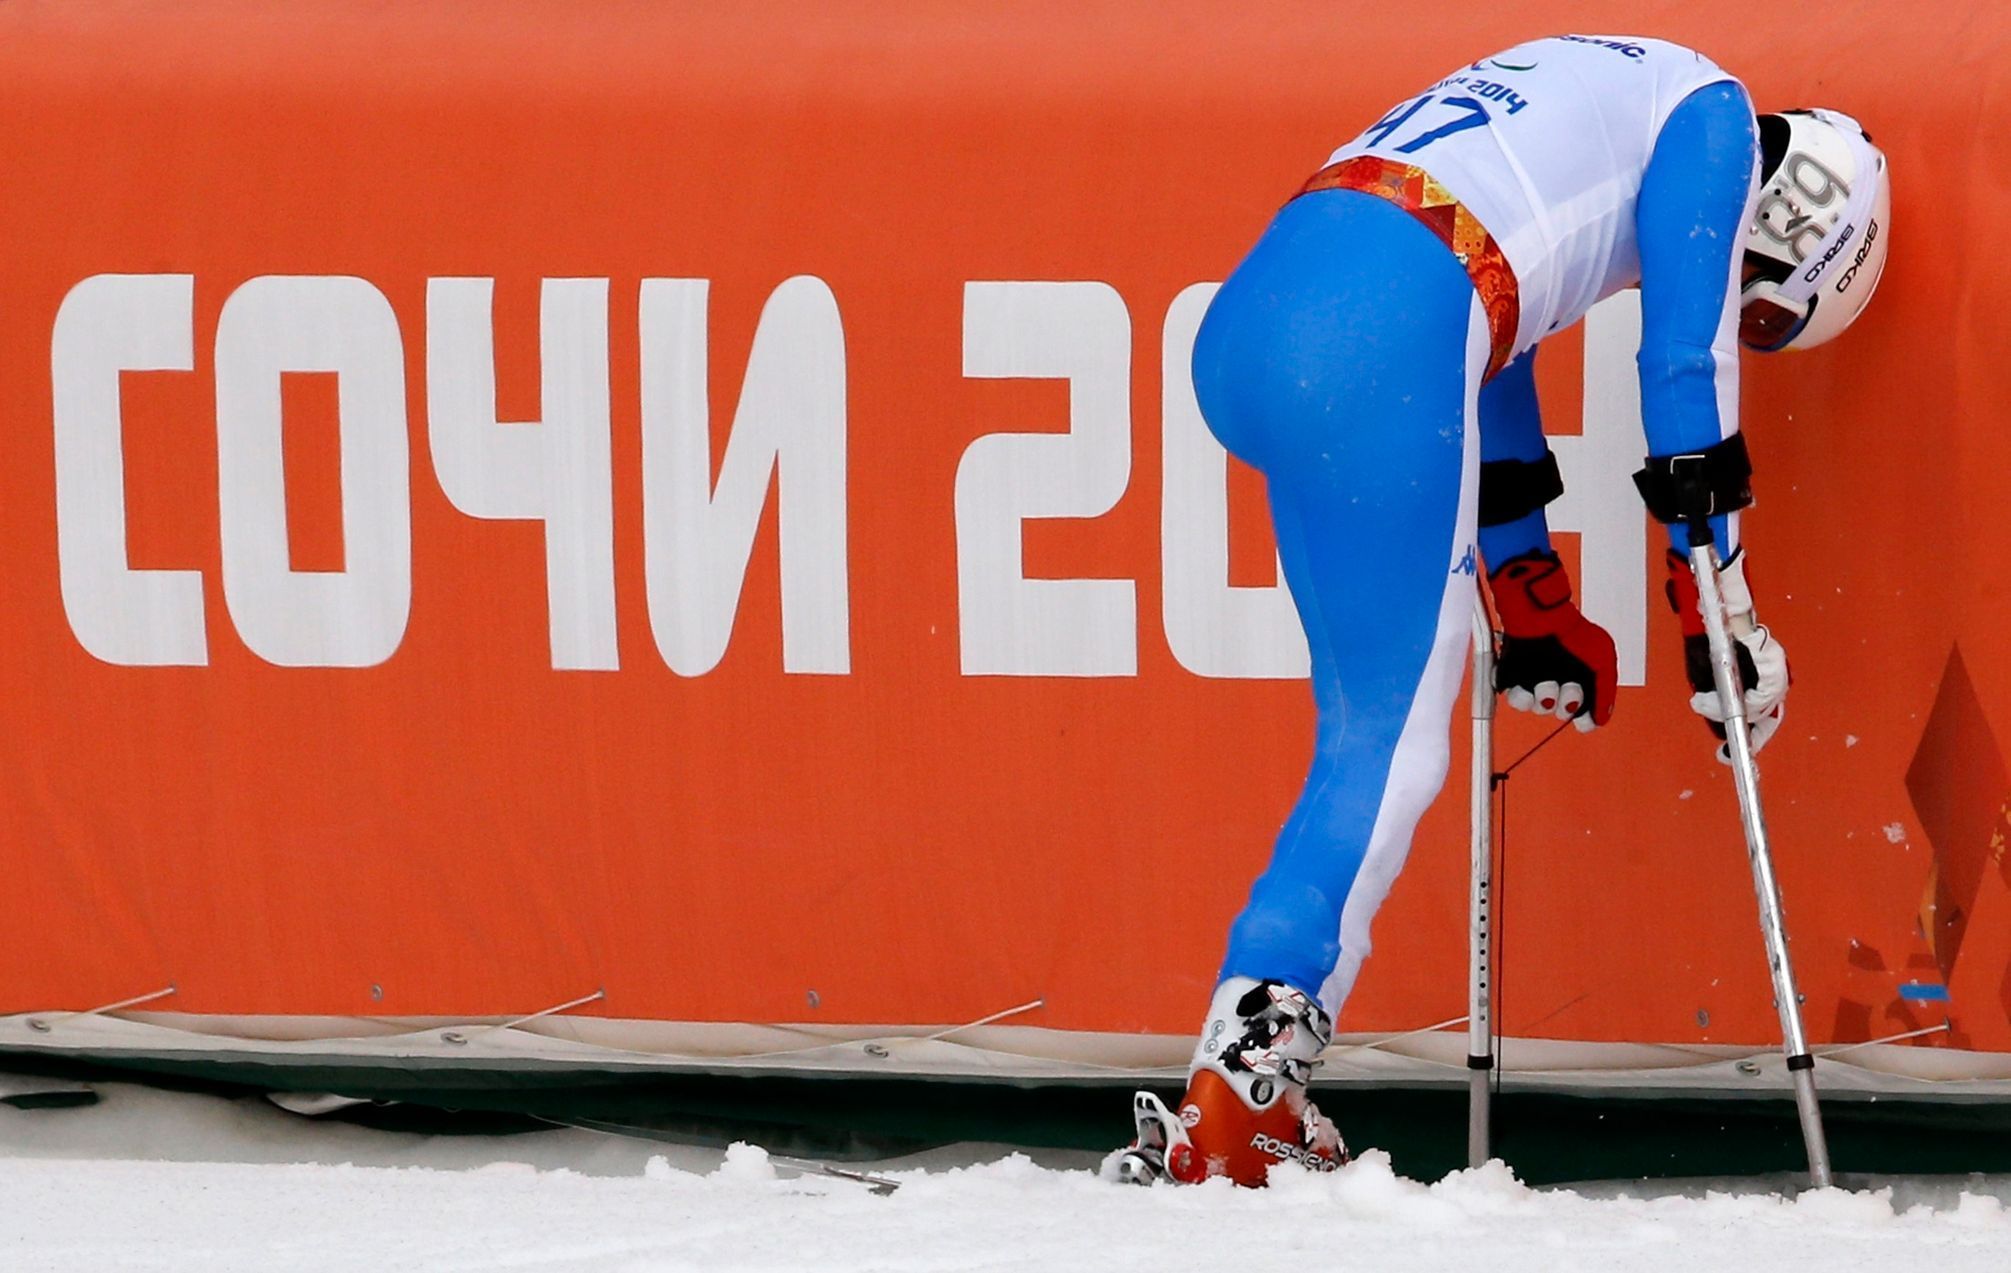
[
  {"x": 789, "y": 425},
  {"x": 556, "y": 470},
  {"x": 107, "y": 324},
  {"x": 354, "y": 617}
]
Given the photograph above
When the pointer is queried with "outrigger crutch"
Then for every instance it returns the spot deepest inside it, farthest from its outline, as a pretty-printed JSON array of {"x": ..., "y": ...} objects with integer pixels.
[
  {"x": 1704, "y": 564},
  {"x": 1480, "y": 897}
]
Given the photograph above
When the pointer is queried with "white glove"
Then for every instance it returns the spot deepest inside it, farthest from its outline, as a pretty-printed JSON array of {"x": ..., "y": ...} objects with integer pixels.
[{"x": 1763, "y": 664}]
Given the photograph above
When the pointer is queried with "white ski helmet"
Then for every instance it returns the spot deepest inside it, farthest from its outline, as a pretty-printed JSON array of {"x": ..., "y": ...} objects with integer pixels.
[{"x": 1816, "y": 247}]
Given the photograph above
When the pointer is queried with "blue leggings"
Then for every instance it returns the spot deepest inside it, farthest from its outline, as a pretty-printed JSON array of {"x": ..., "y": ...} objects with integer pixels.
[{"x": 1342, "y": 360}]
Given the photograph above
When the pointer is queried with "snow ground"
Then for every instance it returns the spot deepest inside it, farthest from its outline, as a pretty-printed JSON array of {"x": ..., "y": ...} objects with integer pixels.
[{"x": 149, "y": 1180}]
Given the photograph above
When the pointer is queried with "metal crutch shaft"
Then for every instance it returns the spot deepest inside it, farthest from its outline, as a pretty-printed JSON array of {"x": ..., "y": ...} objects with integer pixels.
[
  {"x": 1480, "y": 899},
  {"x": 1746, "y": 778}
]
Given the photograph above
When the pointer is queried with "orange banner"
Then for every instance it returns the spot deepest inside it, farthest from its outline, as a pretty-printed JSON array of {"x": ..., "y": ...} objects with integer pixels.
[{"x": 705, "y": 502}]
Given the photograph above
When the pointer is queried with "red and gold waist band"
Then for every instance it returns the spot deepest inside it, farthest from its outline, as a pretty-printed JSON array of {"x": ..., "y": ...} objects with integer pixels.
[{"x": 1416, "y": 192}]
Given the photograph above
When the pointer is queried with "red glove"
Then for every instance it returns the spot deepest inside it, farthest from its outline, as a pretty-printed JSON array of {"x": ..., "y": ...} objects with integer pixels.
[{"x": 1553, "y": 659}]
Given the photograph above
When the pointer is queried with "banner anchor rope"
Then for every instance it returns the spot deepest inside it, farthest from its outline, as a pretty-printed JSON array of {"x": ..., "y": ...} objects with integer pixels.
[
  {"x": 459, "y": 1038},
  {"x": 43, "y": 1024}
]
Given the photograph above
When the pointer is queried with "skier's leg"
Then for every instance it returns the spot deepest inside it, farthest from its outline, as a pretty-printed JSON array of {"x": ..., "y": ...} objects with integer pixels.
[
  {"x": 1343, "y": 359},
  {"x": 1375, "y": 527}
]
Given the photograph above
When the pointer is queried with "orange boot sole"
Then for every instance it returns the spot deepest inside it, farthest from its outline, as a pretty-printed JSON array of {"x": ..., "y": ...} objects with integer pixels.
[{"x": 1225, "y": 1137}]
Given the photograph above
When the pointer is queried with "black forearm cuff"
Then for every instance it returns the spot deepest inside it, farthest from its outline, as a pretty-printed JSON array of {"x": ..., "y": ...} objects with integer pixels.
[
  {"x": 1511, "y": 490},
  {"x": 1717, "y": 479}
]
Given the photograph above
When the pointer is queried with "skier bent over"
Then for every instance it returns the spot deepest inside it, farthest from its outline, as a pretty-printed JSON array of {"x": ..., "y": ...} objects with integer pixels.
[{"x": 1372, "y": 357}]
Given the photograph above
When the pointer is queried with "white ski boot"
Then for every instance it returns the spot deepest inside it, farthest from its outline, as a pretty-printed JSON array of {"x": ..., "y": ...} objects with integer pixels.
[{"x": 1246, "y": 1105}]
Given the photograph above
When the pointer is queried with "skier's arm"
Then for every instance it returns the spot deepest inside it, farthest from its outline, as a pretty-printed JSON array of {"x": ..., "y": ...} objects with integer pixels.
[
  {"x": 1553, "y": 661},
  {"x": 1511, "y": 429},
  {"x": 1691, "y": 222},
  {"x": 1696, "y": 200}
]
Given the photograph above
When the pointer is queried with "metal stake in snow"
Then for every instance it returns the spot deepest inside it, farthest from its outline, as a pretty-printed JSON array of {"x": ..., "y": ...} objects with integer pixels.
[
  {"x": 1746, "y": 778},
  {"x": 1480, "y": 897}
]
